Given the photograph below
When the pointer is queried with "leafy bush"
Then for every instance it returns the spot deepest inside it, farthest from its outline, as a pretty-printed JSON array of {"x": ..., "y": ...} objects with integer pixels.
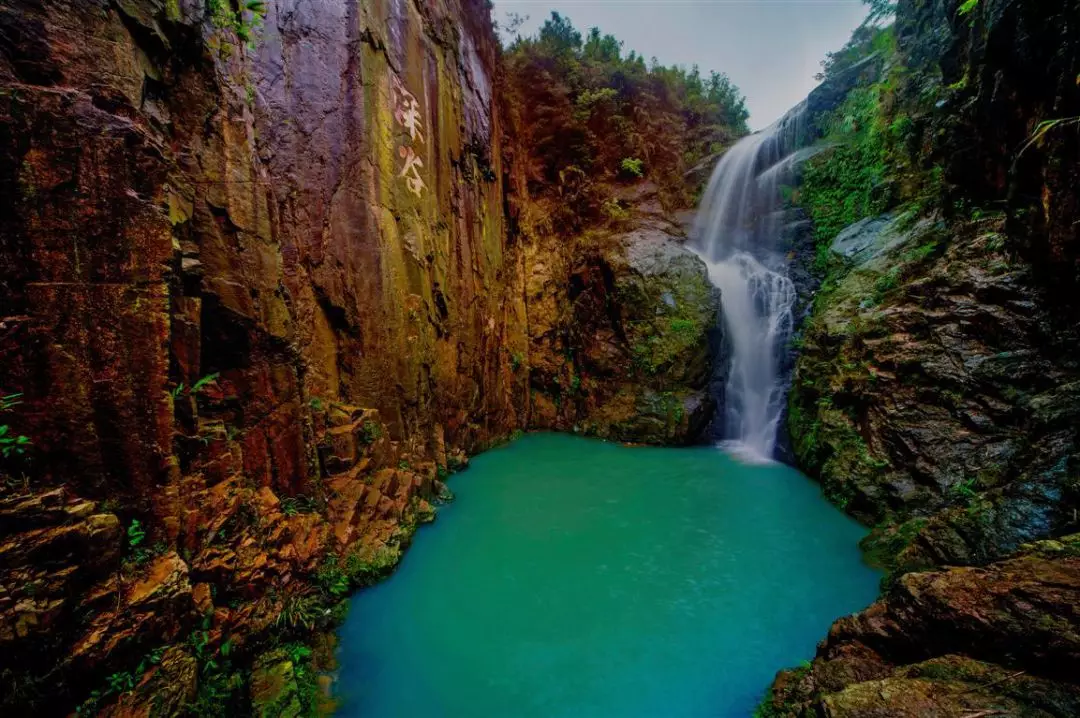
[
  {"x": 244, "y": 21},
  {"x": 632, "y": 167},
  {"x": 11, "y": 444},
  {"x": 846, "y": 183}
]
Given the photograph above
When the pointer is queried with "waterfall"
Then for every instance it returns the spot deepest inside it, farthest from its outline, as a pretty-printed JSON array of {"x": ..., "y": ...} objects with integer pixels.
[{"x": 737, "y": 233}]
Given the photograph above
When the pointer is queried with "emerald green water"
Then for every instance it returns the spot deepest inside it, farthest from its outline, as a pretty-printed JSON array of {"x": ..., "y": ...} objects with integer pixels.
[{"x": 578, "y": 578}]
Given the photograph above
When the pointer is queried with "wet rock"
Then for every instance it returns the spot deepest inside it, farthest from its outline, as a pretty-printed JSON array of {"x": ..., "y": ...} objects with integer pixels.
[
  {"x": 866, "y": 238},
  {"x": 628, "y": 353},
  {"x": 953, "y": 642},
  {"x": 165, "y": 691},
  {"x": 936, "y": 377},
  {"x": 274, "y": 691}
]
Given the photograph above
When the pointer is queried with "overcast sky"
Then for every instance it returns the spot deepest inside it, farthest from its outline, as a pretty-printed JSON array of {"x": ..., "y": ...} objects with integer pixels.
[{"x": 771, "y": 49}]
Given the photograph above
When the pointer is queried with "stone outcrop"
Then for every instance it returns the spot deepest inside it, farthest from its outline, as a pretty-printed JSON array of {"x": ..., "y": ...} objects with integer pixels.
[
  {"x": 1008, "y": 67},
  {"x": 999, "y": 640},
  {"x": 934, "y": 377},
  {"x": 627, "y": 352},
  {"x": 223, "y": 234}
]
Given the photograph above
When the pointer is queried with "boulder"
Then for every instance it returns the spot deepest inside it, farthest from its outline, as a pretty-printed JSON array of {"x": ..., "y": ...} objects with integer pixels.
[{"x": 1004, "y": 639}]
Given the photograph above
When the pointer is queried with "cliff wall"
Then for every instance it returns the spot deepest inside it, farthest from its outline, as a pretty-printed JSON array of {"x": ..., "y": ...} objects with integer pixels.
[{"x": 935, "y": 393}]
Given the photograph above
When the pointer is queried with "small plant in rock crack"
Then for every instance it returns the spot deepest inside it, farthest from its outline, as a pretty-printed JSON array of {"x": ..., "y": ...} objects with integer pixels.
[
  {"x": 136, "y": 534},
  {"x": 632, "y": 167},
  {"x": 243, "y": 21},
  {"x": 302, "y": 504},
  {"x": 136, "y": 539},
  {"x": 370, "y": 432},
  {"x": 300, "y": 608},
  {"x": 11, "y": 444},
  {"x": 205, "y": 382},
  {"x": 181, "y": 389},
  {"x": 120, "y": 682},
  {"x": 965, "y": 491}
]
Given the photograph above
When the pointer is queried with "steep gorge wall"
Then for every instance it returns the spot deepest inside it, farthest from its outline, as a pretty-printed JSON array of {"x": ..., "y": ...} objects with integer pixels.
[
  {"x": 941, "y": 363},
  {"x": 252, "y": 298},
  {"x": 294, "y": 260},
  {"x": 935, "y": 396}
]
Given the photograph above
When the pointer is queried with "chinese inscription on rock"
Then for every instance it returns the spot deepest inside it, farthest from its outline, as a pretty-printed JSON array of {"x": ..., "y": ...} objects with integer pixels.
[{"x": 407, "y": 114}]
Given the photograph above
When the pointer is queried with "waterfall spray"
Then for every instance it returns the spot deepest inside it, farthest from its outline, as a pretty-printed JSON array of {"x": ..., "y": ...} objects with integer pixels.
[{"x": 737, "y": 234}]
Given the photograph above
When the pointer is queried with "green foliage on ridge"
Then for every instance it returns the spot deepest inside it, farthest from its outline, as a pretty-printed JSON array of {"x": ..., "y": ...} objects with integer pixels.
[{"x": 591, "y": 115}]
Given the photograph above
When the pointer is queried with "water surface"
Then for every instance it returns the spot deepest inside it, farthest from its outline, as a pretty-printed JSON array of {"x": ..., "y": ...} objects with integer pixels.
[{"x": 577, "y": 578}]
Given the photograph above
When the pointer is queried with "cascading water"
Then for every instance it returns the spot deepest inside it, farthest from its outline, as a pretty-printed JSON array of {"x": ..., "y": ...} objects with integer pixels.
[{"x": 737, "y": 233}]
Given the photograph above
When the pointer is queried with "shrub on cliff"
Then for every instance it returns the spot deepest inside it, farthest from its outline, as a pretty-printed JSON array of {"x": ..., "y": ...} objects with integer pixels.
[
  {"x": 590, "y": 115},
  {"x": 875, "y": 158}
]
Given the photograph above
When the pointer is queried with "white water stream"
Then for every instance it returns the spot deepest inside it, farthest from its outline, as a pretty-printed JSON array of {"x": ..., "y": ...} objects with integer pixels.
[{"x": 737, "y": 233}]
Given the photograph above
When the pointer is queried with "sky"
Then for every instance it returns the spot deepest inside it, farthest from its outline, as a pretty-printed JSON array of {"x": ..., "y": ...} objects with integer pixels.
[{"x": 771, "y": 49}]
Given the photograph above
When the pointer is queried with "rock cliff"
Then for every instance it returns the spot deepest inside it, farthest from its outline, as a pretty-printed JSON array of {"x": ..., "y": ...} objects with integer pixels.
[{"x": 935, "y": 392}]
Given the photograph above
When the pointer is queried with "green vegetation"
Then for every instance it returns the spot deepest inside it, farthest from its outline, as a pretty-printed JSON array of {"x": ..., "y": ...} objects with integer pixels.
[
  {"x": 196, "y": 388},
  {"x": 885, "y": 544},
  {"x": 136, "y": 534},
  {"x": 592, "y": 115},
  {"x": 880, "y": 10},
  {"x": 873, "y": 158},
  {"x": 119, "y": 683},
  {"x": 244, "y": 19},
  {"x": 370, "y": 432},
  {"x": 220, "y": 682},
  {"x": 204, "y": 382},
  {"x": 846, "y": 183},
  {"x": 11, "y": 444},
  {"x": 338, "y": 576},
  {"x": 301, "y": 504},
  {"x": 768, "y": 707},
  {"x": 967, "y": 7},
  {"x": 138, "y": 552},
  {"x": 633, "y": 167},
  {"x": 1046, "y": 126},
  {"x": 300, "y": 608}
]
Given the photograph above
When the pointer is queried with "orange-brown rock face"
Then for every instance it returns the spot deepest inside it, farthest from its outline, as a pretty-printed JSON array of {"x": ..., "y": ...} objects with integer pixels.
[
  {"x": 267, "y": 274},
  {"x": 253, "y": 296},
  {"x": 318, "y": 220}
]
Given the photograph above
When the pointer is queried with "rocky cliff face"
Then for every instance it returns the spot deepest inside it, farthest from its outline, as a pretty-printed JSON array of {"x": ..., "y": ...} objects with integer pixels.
[
  {"x": 255, "y": 293},
  {"x": 935, "y": 396},
  {"x": 265, "y": 280},
  {"x": 1000, "y": 640},
  {"x": 627, "y": 352}
]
